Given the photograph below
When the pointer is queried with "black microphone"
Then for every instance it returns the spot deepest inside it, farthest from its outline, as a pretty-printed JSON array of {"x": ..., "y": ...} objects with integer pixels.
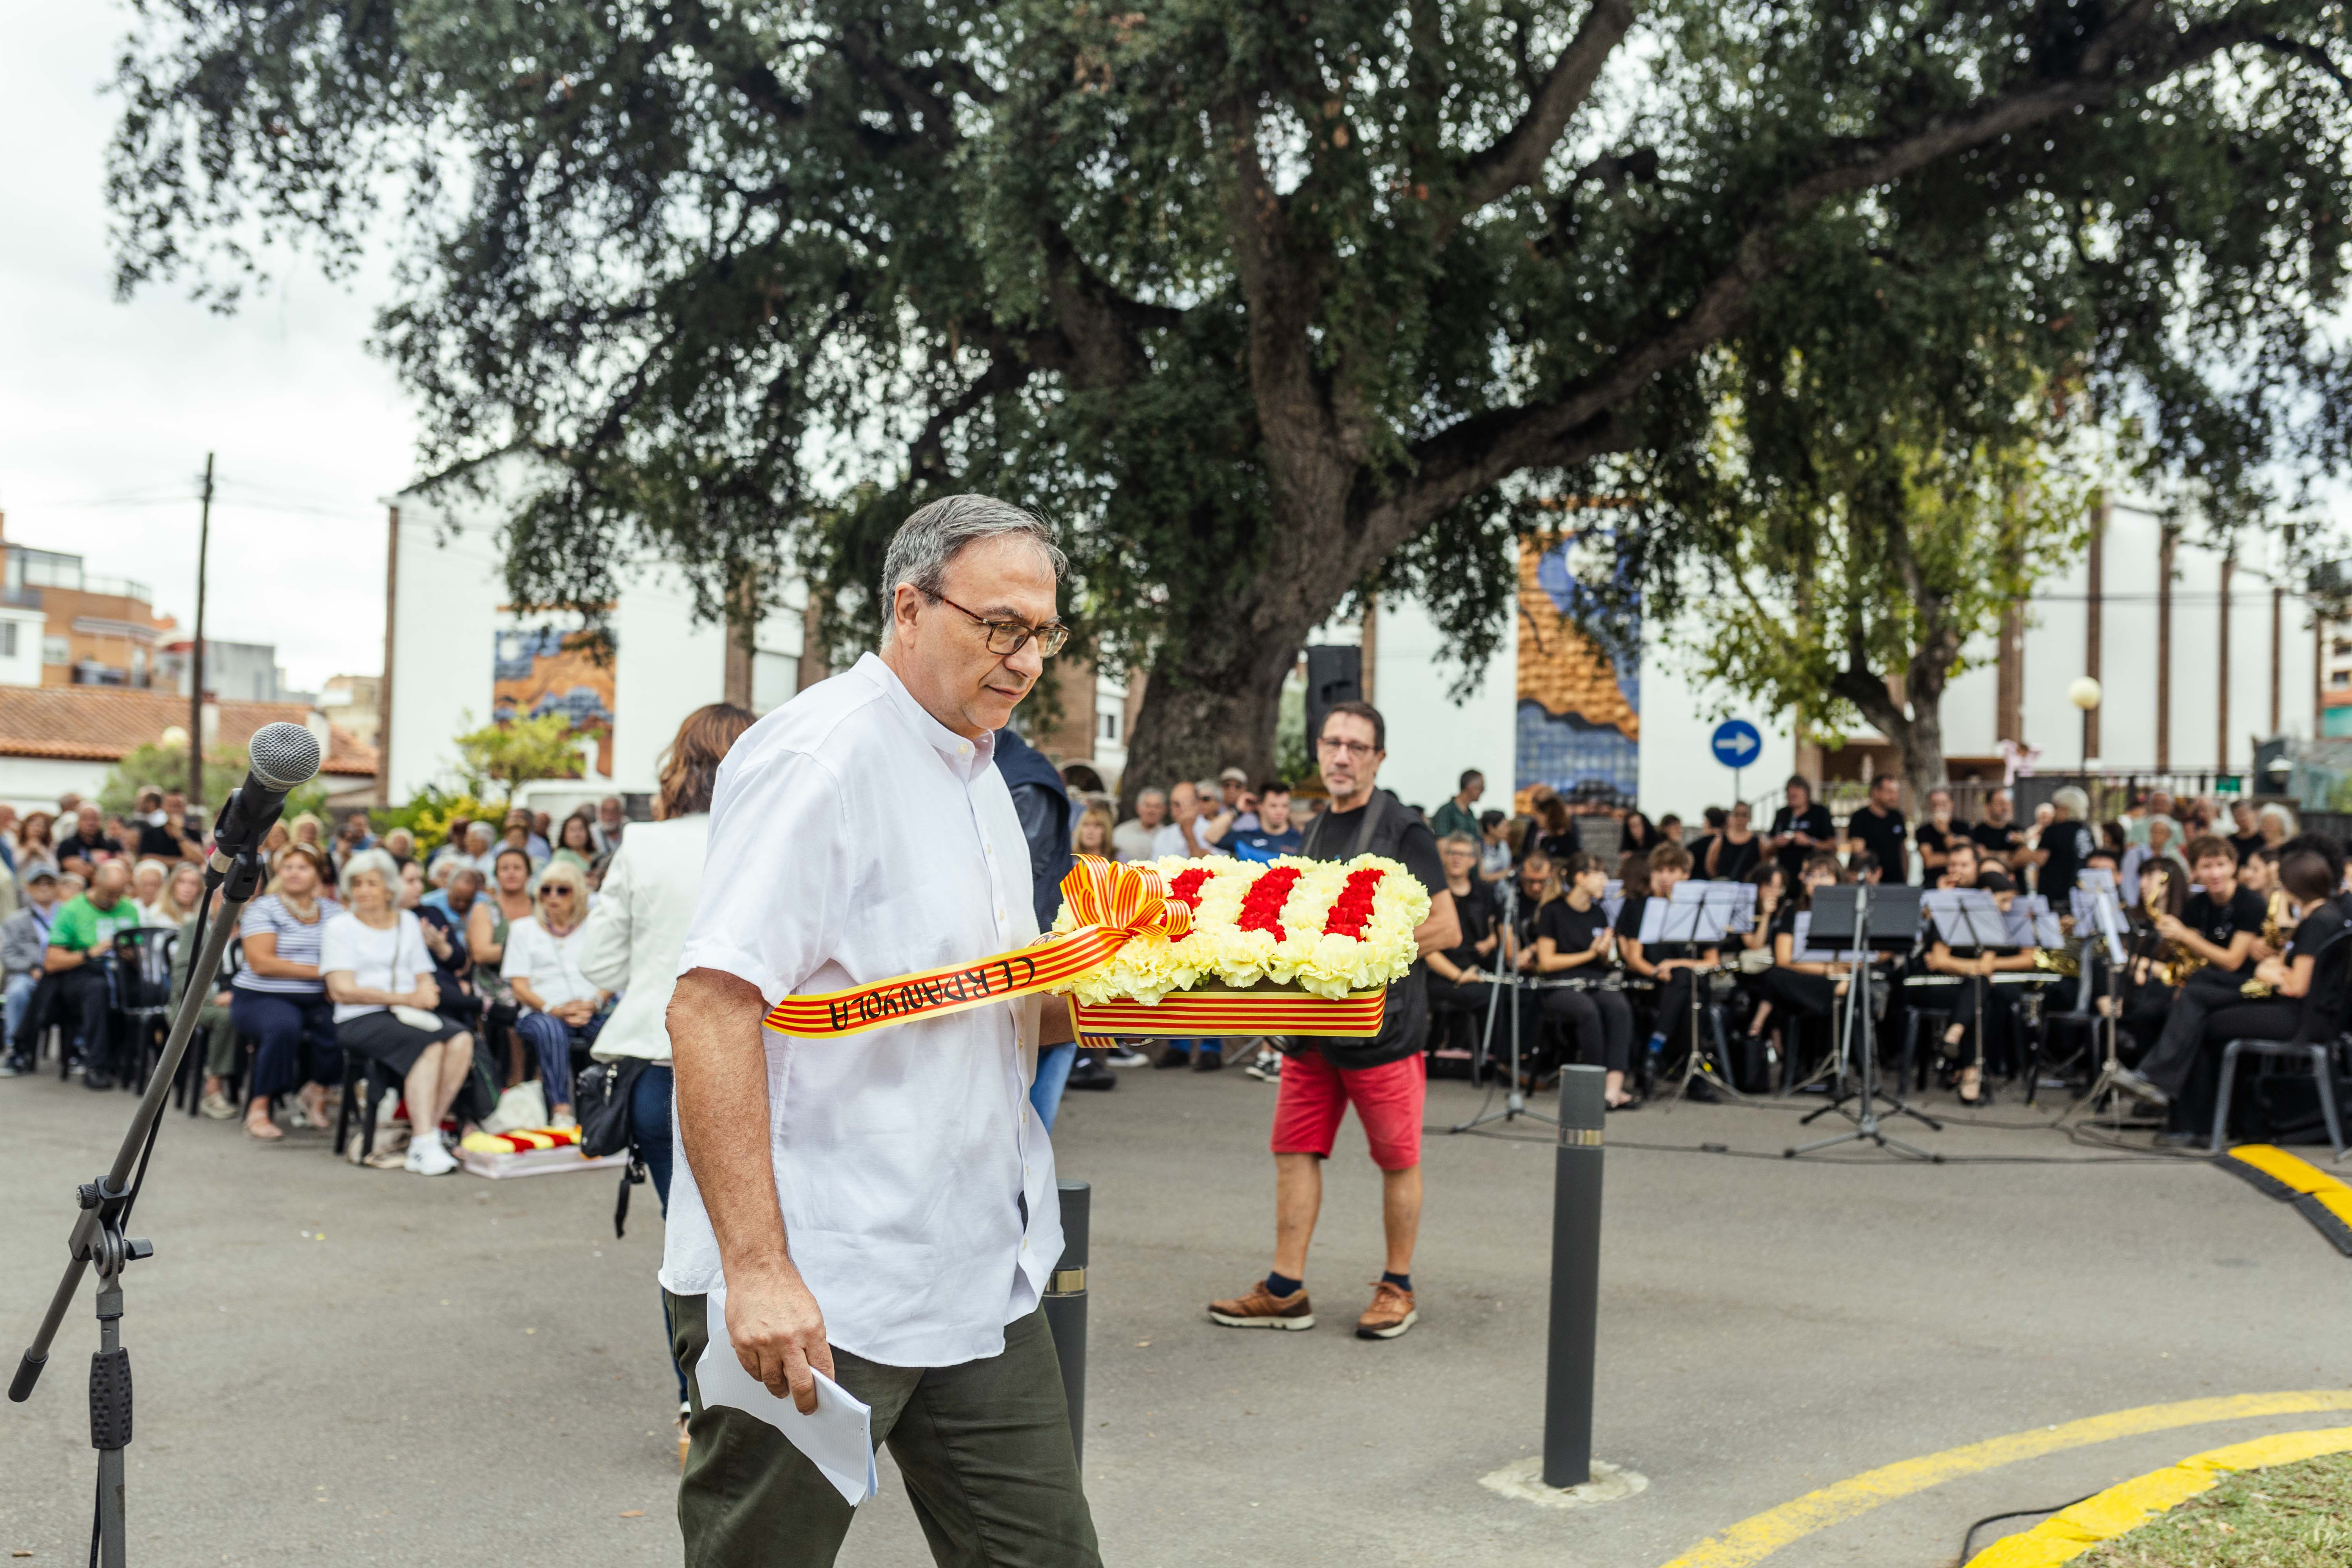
[{"x": 283, "y": 757}]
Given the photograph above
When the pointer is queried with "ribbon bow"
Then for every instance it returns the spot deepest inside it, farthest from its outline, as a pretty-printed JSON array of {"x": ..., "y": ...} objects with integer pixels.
[
  {"x": 1127, "y": 899},
  {"x": 1115, "y": 904}
]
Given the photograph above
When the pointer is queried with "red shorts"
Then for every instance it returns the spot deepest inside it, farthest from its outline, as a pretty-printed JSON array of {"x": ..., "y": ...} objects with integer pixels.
[{"x": 1389, "y": 1099}]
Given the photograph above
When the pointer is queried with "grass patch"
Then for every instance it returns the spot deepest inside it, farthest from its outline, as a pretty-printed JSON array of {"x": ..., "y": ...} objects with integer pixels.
[{"x": 2291, "y": 1516}]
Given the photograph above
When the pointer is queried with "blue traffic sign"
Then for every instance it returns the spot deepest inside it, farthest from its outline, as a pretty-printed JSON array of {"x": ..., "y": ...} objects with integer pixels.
[{"x": 1737, "y": 744}]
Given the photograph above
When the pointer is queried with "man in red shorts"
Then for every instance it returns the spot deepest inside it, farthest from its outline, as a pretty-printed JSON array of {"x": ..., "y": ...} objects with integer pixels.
[{"x": 1382, "y": 1078}]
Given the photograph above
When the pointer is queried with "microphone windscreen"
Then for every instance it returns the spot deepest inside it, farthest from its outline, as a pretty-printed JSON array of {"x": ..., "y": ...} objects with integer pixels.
[{"x": 284, "y": 755}]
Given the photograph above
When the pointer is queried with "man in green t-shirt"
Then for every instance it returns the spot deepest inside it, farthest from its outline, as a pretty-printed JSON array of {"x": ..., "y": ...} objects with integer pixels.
[
  {"x": 73, "y": 991},
  {"x": 1460, "y": 814}
]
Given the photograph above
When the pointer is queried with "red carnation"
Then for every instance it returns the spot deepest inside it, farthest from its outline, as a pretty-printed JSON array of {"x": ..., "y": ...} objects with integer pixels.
[
  {"x": 1262, "y": 905},
  {"x": 1185, "y": 888},
  {"x": 1351, "y": 911}
]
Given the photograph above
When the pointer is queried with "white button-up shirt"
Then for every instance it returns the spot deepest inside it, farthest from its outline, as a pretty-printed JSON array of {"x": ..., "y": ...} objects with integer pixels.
[{"x": 855, "y": 838}]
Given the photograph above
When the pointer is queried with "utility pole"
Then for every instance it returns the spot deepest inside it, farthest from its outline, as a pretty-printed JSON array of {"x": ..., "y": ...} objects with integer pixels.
[{"x": 196, "y": 653}]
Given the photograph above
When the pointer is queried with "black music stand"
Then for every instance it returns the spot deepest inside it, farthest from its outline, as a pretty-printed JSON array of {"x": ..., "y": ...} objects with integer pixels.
[
  {"x": 2098, "y": 919},
  {"x": 1701, "y": 914},
  {"x": 1507, "y": 976},
  {"x": 1865, "y": 920}
]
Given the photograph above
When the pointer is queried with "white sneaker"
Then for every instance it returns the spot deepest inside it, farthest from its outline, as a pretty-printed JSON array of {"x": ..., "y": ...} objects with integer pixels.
[
  {"x": 428, "y": 1157},
  {"x": 1125, "y": 1057}
]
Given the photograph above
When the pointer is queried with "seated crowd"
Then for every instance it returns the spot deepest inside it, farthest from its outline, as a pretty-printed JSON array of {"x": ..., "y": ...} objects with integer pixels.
[{"x": 457, "y": 974}]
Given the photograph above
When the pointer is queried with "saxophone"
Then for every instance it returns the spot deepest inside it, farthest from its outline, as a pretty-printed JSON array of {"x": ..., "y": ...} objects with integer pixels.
[
  {"x": 2174, "y": 963},
  {"x": 2273, "y": 938}
]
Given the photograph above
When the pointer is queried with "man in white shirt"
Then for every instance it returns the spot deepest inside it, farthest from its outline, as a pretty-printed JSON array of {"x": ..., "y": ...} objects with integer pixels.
[
  {"x": 879, "y": 1206},
  {"x": 1182, "y": 834},
  {"x": 1132, "y": 839}
]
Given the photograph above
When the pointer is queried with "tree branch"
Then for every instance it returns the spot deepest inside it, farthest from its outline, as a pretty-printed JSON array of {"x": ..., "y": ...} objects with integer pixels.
[
  {"x": 1484, "y": 448},
  {"x": 1517, "y": 158}
]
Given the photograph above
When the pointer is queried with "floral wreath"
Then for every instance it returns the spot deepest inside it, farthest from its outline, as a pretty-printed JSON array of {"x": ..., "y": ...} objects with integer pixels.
[{"x": 1331, "y": 927}]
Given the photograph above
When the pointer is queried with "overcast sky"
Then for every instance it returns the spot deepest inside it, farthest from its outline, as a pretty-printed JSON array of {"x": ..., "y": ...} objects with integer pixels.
[{"x": 107, "y": 408}]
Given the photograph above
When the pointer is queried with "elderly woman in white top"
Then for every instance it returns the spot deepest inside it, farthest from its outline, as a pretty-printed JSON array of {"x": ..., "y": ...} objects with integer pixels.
[
  {"x": 381, "y": 979},
  {"x": 638, "y": 927},
  {"x": 562, "y": 1008}
]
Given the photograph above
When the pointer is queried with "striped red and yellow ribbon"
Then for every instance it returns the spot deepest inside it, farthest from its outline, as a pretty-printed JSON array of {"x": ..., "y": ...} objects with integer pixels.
[{"x": 1114, "y": 903}]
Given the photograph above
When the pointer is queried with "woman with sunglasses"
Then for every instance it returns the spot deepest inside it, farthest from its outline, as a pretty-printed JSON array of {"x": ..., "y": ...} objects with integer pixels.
[{"x": 562, "y": 1008}]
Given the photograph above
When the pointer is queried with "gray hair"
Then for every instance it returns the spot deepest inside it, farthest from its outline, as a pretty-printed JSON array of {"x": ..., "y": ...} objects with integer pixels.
[
  {"x": 1155, "y": 790},
  {"x": 928, "y": 540},
  {"x": 1463, "y": 839},
  {"x": 488, "y": 834},
  {"x": 2071, "y": 801},
  {"x": 362, "y": 861},
  {"x": 1208, "y": 789}
]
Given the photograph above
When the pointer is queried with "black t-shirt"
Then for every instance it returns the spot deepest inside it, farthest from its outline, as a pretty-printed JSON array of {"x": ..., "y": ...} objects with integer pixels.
[
  {"x": 2246, "y": 846},
  {"x": 90, "y": 849},
  {"x": 1560, "y": 846},
  {"x": 1734, "y": 862},
  {"x": 1403, "y": 837},
  {"x": 2069, "y": 845},
  {"x": 158, "y": 843},
  {"x": 1478, "y": 912},
  {"x": 1698, "y": 848},
  {"x": 2323, "y": 1005},
  {"x": 1929, "y": 836},
  {"x": 1883, "y": 836},
  {"x": 2002, "y": 838},
  {"x": 1570, "y": 929},
  {"x": 1814, "y": 821},
  {"x": 2217, "y": 923}
]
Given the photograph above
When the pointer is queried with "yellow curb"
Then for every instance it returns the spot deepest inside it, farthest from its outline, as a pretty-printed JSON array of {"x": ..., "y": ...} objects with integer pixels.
[
  {"x": 2123, "y": 1508},
  {"x": 1758, "y": 1537}
]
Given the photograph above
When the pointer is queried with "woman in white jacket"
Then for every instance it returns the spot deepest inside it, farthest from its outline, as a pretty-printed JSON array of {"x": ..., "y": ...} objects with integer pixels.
[{"x": 639, "y": 926}]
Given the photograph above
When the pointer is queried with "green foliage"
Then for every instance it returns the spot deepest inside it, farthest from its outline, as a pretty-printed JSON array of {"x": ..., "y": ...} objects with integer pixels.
[
  {"x": 1261, "y": 305},
  {"x": 429, "y": 812},
  {"x": 166, "y": 768},
  {"x": 517, "y": 751}
]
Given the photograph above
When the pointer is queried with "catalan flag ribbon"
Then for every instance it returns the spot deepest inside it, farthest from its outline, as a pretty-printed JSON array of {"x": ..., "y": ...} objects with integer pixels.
[{"x": 1115, "y": 904}]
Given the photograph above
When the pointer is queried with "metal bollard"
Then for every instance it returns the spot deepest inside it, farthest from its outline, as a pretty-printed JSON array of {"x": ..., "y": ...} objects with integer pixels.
[
  {"x": 1065, "y": 1309},
  {"x": 1575, "y": 1279}
]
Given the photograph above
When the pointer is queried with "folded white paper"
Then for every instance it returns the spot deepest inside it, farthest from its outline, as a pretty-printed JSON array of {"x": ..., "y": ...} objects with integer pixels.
[{"x": 838, "y": 1439}]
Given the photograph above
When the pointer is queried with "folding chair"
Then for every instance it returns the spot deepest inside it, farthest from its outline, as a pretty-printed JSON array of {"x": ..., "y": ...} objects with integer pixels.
[{"x": 2320, "y": 1054}]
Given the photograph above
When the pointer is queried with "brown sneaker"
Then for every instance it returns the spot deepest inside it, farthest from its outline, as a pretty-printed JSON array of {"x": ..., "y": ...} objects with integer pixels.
[
  {"x": 1391, "y": 1313},
  {"x": 1262, "y": 1309}
]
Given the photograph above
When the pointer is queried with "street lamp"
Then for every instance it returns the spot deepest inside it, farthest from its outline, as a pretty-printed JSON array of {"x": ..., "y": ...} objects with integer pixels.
[{"x": 2084, "y": 694}]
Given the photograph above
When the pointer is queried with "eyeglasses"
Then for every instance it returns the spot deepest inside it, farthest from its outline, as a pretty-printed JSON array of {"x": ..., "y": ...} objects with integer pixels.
[
  {"x": 555, "y": 892},
  {"x": 1356, "y": 749},
  {"x": 1009, "y": 638}
]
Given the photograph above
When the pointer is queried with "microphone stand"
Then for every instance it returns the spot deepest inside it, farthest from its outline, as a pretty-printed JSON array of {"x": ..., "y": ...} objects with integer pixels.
[
  {"x": 98, "y": 1239},
  {"x": 1515, "y": 1099}
]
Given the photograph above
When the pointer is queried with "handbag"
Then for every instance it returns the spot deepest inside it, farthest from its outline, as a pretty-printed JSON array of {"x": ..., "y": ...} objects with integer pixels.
[{"x": 601, "y": 1097}]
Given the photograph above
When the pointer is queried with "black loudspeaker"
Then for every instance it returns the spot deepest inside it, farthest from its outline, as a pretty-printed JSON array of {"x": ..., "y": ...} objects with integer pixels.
[{"x": 1333, "y": 675}]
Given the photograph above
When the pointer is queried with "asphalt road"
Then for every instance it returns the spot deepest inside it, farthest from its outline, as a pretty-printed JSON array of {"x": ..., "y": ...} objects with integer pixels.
[{"x": 342, "y": 1366}]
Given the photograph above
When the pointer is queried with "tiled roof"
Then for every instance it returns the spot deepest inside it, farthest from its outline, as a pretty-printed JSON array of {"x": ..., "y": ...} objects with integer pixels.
[
  {"x": 1561, "y": 669},
  {"x": 104, "y": 723}
]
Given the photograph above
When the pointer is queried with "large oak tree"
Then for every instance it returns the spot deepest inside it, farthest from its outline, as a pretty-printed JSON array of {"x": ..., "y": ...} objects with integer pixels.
[{"x": 1263, "y": 304}]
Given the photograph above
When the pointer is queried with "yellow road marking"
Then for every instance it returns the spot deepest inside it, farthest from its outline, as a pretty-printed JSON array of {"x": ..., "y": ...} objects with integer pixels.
[
  {"x": 1759, "y": 1536},
  {"x": 2123, "y": 1508}
]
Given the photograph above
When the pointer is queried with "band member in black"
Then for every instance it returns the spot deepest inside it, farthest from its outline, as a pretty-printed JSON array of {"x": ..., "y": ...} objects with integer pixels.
[
  {"x": 2221, "y": 926},
  {"x": 1980, "y": 1000},
  {"x": 1572, "y": 938},
  {"x": 1800, "y": 827},
  {"x": 1669, "y": 963}
]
